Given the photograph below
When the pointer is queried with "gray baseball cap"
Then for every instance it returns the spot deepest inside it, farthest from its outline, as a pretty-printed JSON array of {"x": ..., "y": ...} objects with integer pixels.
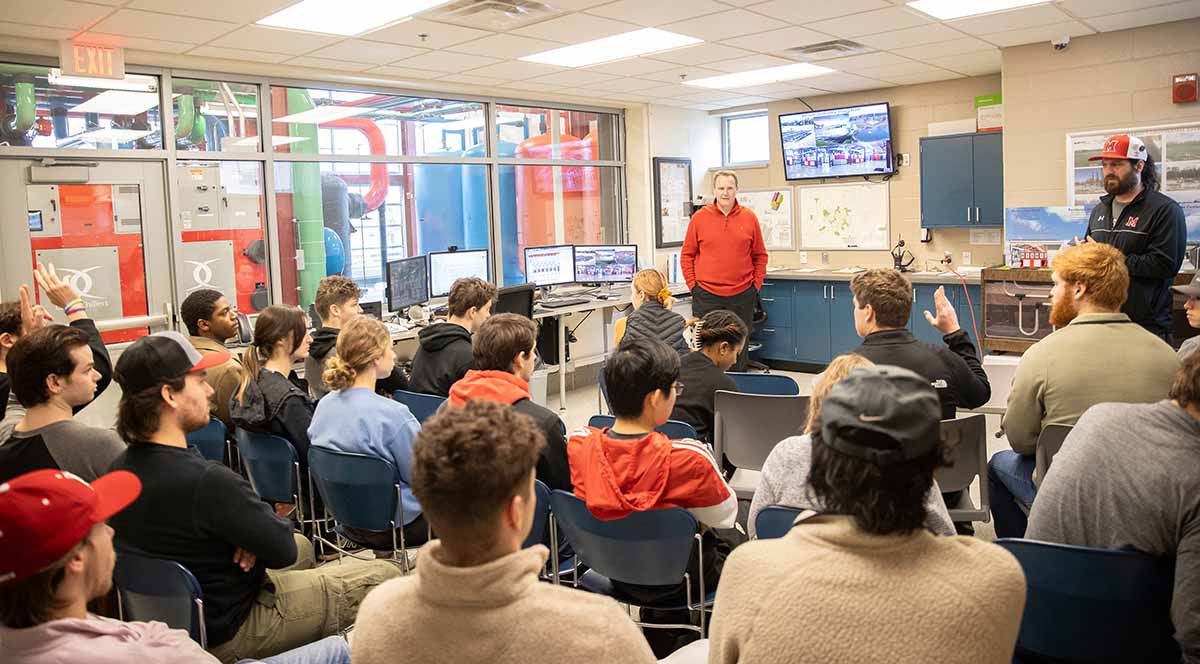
[
  {"x": 1190, "y": 290},
  {"x": 882, "y": 414}
]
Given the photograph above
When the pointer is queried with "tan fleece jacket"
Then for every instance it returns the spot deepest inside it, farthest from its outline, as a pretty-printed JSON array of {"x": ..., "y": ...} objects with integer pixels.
[
  {"x": 827, "y": 593},
  {"x": 225, "y": 379},
  {"x": 496, "y": 613}
]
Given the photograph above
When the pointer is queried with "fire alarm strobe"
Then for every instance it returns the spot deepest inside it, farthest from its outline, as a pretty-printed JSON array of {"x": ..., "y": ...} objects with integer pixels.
[{"x": 1183, "y": 88}]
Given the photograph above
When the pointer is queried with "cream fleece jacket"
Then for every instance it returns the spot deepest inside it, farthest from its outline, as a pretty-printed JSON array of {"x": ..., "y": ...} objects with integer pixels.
[
  {"x": 828, "y": 593},
  {"x": 496, "y": 613}
]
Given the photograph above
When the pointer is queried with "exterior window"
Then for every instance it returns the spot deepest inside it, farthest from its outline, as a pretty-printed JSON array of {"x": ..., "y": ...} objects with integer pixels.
[{"x": 745, "y": 139}]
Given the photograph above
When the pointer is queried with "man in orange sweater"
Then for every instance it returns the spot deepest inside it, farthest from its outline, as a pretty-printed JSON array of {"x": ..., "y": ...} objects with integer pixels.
[{"x": 723, "y": 258}]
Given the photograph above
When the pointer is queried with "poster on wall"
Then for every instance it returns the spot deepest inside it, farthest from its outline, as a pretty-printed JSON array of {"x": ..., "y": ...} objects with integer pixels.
[
  {"x": 672, "y": 200},
  {"x": 844, "y": 216},
  {"x": 1175, "y": 150},
  {"x": 774, "y": 210}
]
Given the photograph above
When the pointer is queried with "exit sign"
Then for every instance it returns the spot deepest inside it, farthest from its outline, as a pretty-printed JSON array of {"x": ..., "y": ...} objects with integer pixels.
[{"x": 92, "y": 61}]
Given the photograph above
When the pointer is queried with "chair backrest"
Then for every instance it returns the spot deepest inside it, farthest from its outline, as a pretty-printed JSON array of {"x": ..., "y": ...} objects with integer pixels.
[
  {"x": 210, "y": 440},
  {"x": 673, "y": 429},
  {"x": 760, "y": 383},
  {"x": 645, "y": 548},
  {"x": 270, "y": 461},
  {"x": 163, "y": 590},
  {"x": 359, "y": 489},
  {"x": 604, "y": 391},
  {"x": 775, "y": 521},
  {"x": 968, "y": 437},
  {"x": 541, "y": 514},
  {"x": 748, "y": 426},
  {"x": 1049, "y": 442},
  {"x": 422, "y": 406},
  {"x": 1094, "y": 605}
]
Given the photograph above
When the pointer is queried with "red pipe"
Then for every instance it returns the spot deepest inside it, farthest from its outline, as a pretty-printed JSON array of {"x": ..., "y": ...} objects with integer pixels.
[{"x": 377, "y": 194}]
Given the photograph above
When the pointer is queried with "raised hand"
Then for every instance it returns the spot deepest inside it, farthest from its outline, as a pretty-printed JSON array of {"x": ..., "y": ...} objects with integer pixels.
[
  {"x": 33, "y": 316},
  {"x": 946, "y": 320},
  {"x": 60, "y": 292}
]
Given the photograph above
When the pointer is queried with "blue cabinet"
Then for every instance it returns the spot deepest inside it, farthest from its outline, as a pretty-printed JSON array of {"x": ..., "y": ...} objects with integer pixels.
[
  {"x": 922, "y": 302},
  {"x": 843, "y": 336},
  {"x": 964, "y": 307},
  {"x": 811, "y": 301},
  {"x": 962, "y": 181},
  {"x": 777, "y": 335}
]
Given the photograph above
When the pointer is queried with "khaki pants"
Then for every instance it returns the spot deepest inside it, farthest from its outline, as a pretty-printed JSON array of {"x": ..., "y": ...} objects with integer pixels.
[{"x": 300, "y": 604}]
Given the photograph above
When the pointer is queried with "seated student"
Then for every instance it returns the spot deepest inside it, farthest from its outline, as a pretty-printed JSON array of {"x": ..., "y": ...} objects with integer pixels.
[
  {"x": 883, "y": 300},
  {"x": 353, "y": 418},
  {"x": 1192, "y": 307},
  {"x": 444, "y": 355},
  {"x": 784, "y": 479},
  {"x": 652, "y": 316},
  {"x": 720, "y": 336},
  {"x": 1096, "y": 354},
  {"x": 476, "y": 596},
  {"x": 207, "y": 518},
  {"x": 631, "y": 468},
  {"x": 866, "y": 582},
  {"x": 1110, "y": 491},
  {"x": 56, "y": 562},
  {"x": 211, "y": 321},
  {"x": 505, "y": 351},
  {"x": 52, "y": 373},
  {"x": 337, "y": 304},
  {"x": 32, "y": 317}
]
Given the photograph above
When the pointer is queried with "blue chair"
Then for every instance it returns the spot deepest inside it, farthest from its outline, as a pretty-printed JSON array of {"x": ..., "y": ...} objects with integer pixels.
[
  {"x": 645, "y": 548},
  {"x": 541, "y": 514},
  {"x": 606, "y": 405},
  {"x": 1094, "y": 605},
  {"x": 759, "y": 383},
  {"x": 211, "y": 440},
  {"x": 362, "y": 492},
  {"x": 157, "y": 589},
  {"x": 422, "y": 406},
  {"x": 673, "y": 429},
  {"x": 774, "y": 521},
  {"x": 273, "y": 467}
]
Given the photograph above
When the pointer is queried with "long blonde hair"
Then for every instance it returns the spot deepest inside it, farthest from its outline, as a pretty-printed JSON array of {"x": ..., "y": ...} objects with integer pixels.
[
  {"x": 359, "y": 345},
  {"x": 839, "y": 368},
  {"x": 651, "y": 283}
]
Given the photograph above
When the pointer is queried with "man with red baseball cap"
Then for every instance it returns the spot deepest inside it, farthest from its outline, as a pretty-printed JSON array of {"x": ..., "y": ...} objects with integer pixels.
[{"x": 1147, "y": 226}]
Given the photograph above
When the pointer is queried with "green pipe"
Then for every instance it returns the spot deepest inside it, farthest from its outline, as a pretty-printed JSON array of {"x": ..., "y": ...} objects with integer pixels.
[
  {"x": 306, "y": 198},
  {"x": 26, "y": 109},
  {"x": 199, "y": 127},
  {"x": 187, "y": 117}
]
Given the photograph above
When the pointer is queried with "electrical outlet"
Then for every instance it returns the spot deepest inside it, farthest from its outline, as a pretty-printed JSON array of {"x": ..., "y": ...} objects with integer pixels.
[
  {"x": 966, "y": 258},
  {"x": 824, "y": 258},
  {"x": 804, "y": 257},
  {"x": 905, "y": 160}
]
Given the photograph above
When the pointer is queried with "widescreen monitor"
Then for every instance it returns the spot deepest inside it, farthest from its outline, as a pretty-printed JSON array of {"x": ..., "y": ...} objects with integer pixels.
[
  {"x": 550, "y": 266},
  {"x": 407, "y": 283},
  {"x": 446, "y": 267},
  {"x": 837, "y": 142},
  {"x": 605, "y": 263}
]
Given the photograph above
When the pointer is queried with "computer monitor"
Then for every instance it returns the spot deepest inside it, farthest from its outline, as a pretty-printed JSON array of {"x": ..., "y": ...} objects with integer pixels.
[
  {"x": 407, "y": 283},
  {"x": 550, "y": 266},
  {"x": 446, "y": 267},
  {"x": 605, "y": 263},
  {"x": 372, "y": 309},
  {"x": 515, "y": 300}
]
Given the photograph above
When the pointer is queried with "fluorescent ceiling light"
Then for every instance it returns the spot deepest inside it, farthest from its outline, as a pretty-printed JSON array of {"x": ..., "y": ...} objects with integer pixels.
[
  {"x": 132, "y": 82},
  {"x": 219, "y": 109},
  {"x": 346, "y": 17},
  {"x": 326, "y": 113},
  {"x": 279, "y": 140},
  {"x": 616, "y": 47},
  {"x": 767, "y": 76},
  {"x": 950, "y": 9},
  {"x": 118, "y": 102},
  {"x": 113, "y": 135}
]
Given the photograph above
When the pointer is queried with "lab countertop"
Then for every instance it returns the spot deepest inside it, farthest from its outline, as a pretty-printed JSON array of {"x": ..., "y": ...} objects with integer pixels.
[{"x": 833, "y": 274}]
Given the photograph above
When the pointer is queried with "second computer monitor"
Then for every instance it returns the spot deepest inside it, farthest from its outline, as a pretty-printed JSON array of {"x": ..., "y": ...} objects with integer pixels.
[
  {"x": 550, "y": 266},
  {"x": 407, "y": 283},
  {"x": 605, "y": 263},
  {"x": 446, "y": 267}
]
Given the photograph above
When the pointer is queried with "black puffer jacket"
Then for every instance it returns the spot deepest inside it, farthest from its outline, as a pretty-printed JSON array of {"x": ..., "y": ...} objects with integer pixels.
[
  {"x": 656, "y": 321},
  {"x": 276, "y": 405}
]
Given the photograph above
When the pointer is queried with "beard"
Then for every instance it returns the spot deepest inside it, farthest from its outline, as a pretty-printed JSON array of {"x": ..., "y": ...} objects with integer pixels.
[
  {"x": 1118, "y": 186},
  {"x": 1062, "y": 312}
]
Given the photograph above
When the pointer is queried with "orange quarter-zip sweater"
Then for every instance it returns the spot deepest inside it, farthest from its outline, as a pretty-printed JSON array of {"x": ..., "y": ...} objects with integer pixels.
[{"x": 722, "y": 253}]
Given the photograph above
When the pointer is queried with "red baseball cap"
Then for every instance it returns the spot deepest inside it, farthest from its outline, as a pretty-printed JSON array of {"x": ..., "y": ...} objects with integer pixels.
[
  {"x": 45, "y": 513},
  {"x": 1122, "y": 146}
]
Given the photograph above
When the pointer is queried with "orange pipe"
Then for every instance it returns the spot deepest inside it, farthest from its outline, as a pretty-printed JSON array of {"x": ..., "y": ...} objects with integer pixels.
[{"x": 377, "y": 194}]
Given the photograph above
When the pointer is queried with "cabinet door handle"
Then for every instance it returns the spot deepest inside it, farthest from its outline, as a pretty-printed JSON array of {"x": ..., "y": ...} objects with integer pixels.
[
  {"x": 769, "y": 330},
  {"x": 977, "y": 215},
  {"x": 833, "y": 291},
  {"x": 768, "y": 299},
  {"x": 968, "y": 214},
  {"x": 825, "y": 292}
]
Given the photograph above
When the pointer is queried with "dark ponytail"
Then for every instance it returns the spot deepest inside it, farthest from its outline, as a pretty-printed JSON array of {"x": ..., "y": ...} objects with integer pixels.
[{"x": 1150, "y": 174}]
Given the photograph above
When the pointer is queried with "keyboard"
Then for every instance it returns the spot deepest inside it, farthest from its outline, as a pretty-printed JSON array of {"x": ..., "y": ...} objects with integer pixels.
[
  {"x": 559, "y": 302},
  {"x": 394, "y": 329}
]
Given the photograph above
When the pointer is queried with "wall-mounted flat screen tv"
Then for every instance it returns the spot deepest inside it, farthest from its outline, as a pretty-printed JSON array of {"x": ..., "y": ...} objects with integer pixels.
[{"x": 837, "y": 142}]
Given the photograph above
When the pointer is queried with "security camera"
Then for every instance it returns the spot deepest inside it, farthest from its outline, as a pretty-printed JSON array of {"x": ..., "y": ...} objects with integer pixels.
[{"x": 1060, "y": 43}]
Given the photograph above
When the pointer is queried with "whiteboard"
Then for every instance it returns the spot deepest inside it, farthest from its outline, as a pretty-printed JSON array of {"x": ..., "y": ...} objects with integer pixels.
[
  {"x": 845, "y": 216},
  {"x": 774, "y": 210}
]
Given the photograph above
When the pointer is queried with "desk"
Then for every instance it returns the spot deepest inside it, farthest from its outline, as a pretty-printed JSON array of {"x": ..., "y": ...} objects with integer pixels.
[{"x": 606, "y": 308}]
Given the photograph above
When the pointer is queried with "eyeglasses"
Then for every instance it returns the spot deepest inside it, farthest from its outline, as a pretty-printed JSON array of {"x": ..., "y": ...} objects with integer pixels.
[{"x": 678, "y": 388}]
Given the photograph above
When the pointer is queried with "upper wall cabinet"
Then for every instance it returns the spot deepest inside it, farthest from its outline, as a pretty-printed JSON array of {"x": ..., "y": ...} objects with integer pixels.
[{"x": 962, "y": 181}]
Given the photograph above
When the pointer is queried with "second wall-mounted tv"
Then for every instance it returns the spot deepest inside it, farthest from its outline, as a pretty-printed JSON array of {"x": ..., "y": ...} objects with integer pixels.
[{"x": 837, "y": 142}]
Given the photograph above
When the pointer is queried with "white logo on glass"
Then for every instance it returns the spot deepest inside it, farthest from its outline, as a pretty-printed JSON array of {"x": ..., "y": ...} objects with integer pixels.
[
  {"x": 82, "y": 282},
  {"x": 202, "y": 274}
]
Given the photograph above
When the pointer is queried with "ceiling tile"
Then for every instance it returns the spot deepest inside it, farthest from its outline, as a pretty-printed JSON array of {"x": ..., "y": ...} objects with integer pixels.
[
  {"x": 534, "y": 86},
  {"x": 38, "y": 32},
  {"x": 246, "y": 11},
  {"x": 718, "y": 27},
  {"x": 628, "y": 84},
  {"x": 868, "y": 23},
  {"x": 138, "y": 43},
  {"x": 470, "y": 79},
  {"x": 446, "y": 62},
  {"x": 777, "y": 90},
  {"x": 237, "y": 54},
  {"x": 671, "y": 91},
  {"x": 259, "y": 38},
  {"x": 672, "y": 75},
  {"x": 505, "y": 46},
  {"x": 941, "y": 50},
  {"x": 633, "y": 66},
  {"x": 715, "y": 96},
  {"x": 702, "y": 53},
  {"x": 134, "y": 23},
  {"x": 577, "y": 5},
  {"x": 575, "y": 78},
  {"x": 1134, "y": 19},
  {"x": 750, "y": 62},
  {"x": 1089, "y": 8},
  {"x": 774, "y": 41},
  {"x": 404, "y": 72},
  {"x": 971, "y": 64},
  {"x": 928, "y": 77},
  {"x": 515, "y": 69},
  {"x": 1043, "y": 33},
  {"x": 325, "y": 63},
  {"x": 904, "y": 69},
  {"x": 745, "y": 101},
  {"x": 361, "y": 50},
  {"x": 803, "y": 13},
  {"x": 843, "y": 82},
  {"x": 866, "y": 61},
  {"x": 1015, "y": 19},
  {"x": 657, "y": 12},
  {"x": 922, "y": 34},
  {"x": 576, "y": 28},
  {"x": 53, "y": 13},
  {"x": 437, "y": 35}
]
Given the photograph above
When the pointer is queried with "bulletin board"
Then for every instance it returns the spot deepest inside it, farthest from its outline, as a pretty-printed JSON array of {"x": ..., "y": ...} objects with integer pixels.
[
  {"x": 775, "y": 210},
  {"x": 672, "y": 200},
  {"x": 854, "y": 216}
]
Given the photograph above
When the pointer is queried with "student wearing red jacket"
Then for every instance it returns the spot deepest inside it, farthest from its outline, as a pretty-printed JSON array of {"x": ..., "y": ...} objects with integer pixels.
[{"x": 724, "y": 260}]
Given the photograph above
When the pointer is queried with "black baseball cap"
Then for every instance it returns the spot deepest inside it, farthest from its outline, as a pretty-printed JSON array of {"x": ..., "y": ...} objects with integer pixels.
[
  {"x": 1190, "y": 290},
  {"x": 159, "y": 358},
  {"x": 882, "y": 414}
]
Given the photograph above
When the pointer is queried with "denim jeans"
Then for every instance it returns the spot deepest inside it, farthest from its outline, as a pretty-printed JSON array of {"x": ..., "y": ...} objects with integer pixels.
[
  {"x": 329, "y": 650},
  {"x": 1010, "y": 481}
]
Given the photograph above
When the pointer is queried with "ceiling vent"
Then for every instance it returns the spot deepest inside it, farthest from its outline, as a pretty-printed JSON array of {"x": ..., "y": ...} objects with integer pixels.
[
  {"x": 828, "y": 49},
  {"x": 495, "y": 15}
]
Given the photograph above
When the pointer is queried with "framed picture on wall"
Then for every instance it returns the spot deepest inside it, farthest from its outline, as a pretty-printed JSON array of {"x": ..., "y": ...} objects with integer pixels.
[{"x": 672, "y": 200}]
